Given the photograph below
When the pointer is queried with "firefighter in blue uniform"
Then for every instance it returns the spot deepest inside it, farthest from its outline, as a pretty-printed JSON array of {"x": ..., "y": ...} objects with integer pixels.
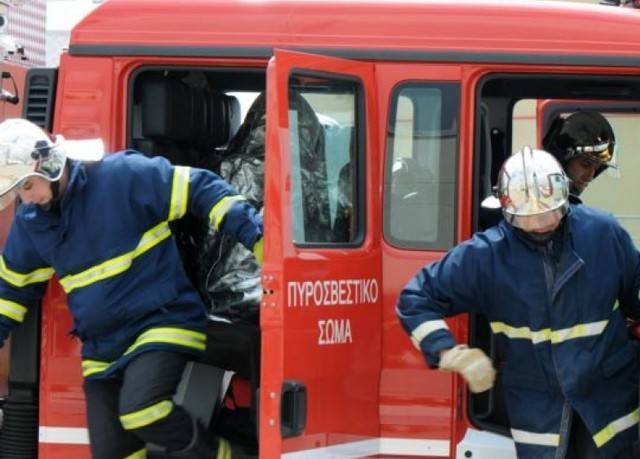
[
  {"x": 103, "y": 228},
  {"x": 556, "y": 283}
]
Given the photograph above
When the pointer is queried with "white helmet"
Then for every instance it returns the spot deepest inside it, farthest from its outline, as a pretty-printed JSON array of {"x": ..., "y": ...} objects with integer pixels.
[
  {"x": 533, "y": 190},
  {"x": 26, "y": 150}
]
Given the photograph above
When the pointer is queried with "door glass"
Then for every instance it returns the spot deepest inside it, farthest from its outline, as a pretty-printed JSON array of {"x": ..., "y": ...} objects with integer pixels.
[
  {"x": 324, "y": 165},
  {"x": 421, "y": 166}
]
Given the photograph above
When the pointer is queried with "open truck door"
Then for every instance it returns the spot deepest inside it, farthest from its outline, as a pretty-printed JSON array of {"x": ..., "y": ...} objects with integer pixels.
[{"x": 321, "y": 310}]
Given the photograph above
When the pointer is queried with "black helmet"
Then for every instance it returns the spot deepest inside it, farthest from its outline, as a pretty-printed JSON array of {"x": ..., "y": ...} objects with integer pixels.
[{"x": 584, "y": 133}]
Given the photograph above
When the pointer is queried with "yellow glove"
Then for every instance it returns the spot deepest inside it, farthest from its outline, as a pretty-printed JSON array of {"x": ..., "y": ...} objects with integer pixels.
[
  {"x": 473, "y": 364},
  {"x": 257, "y": 250}
]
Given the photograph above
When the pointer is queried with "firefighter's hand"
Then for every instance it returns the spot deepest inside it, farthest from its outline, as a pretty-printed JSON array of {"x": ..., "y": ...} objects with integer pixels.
[
  {"x": 473, "y": 364},
  {"x": 257, "y": 250}
]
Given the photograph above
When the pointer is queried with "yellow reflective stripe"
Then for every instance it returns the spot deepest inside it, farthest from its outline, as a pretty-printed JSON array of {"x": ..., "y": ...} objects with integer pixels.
[
  {"x": 21, "y": 280},
  {"x": 90, "y": 367},
  {"x": 222, "y": 207},
  {"x": 179, "y": 192},
  {"x": 118, "y": 264},
  {"x": 224, "y": 449},
  {"x": 146, "y": 416},
  {"x": 170, "y": 335},
  {"x": 533, "y": 438},
  {"x": 165, "y": 335},
  {"x": 578, "y": 331},
  {"x": 12, "y": 310},
  {"x": 521, "y": 332},
  {"x": 616, "y": 427},
  {"x": 425, "y": 329},
  {"x": 142, "y": 454},
  {"x": 546, "y": 334}
]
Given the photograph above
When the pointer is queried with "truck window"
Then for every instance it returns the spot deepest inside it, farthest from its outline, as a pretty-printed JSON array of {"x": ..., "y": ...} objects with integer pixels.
[
  {"x": 323, "y": 115},
  {"x": 422, "y": 144}
]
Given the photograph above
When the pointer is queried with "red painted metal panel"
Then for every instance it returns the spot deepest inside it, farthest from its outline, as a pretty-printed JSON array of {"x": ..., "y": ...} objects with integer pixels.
[
  {"x": 86, "y": 99},
  {"x": 61, "y": 397},
  {"x": 342, "y": 380},
  {"x": 53, "y": 451},
  {"x": 415, "y": 402},
  {"x": 444, "y": 25},
  {"x": 83, "y": 110}
]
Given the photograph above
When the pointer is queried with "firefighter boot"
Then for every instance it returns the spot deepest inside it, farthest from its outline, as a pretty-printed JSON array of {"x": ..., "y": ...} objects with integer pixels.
[{"x": 203, "y": 446}]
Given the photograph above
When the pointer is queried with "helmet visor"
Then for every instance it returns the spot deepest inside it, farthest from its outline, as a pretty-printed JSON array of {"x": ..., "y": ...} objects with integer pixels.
[
  {"x": 11, "y": 178},
  {"x": 601, "y": 153},
  {"x": 14, "y": 170},
  {"x": 12, "y": 174}
]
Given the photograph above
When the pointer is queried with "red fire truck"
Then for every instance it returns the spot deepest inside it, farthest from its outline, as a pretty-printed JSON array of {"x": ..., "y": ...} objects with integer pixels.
[{"x": 418, "y": 103}]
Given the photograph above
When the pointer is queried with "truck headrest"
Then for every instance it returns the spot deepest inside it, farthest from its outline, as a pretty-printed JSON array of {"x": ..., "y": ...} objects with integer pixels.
[{"x": 173, "y": 111}]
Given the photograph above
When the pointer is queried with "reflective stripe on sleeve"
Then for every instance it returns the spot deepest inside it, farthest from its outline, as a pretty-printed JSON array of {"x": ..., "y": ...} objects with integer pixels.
[
  {"x": 532, "y": 438},
  {"x": 425, "y": 329},
  {"x": 13, "y": 310},
  {"x": 146, "y": 416},
  {"x": 22, "y": 280},
  {"x": 179, "y": 192},
  {"x": 119, "y": 264},
  {"x": 222, "y": 207},
  {"x": 617, "y": 426}
]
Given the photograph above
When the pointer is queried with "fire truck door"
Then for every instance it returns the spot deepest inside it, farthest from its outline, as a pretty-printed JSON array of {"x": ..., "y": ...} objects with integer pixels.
[{"x": 321, "y": 311}]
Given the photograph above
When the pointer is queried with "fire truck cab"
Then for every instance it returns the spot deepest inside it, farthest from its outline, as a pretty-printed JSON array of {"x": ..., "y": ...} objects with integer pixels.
[{"x": 384, "y": 126}]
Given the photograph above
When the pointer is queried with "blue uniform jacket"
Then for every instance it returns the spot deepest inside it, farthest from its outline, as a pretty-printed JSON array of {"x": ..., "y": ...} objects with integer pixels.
[
  {"x": 113, "y": 252},
  {"x": 559, "y": 319}
]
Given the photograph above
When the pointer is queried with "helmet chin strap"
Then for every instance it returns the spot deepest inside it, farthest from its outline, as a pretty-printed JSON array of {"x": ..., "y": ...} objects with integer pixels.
[
  {"x": 55, "y": 190},
  {"x": 54, "y": 204},
  {"x": 574, "y": 191},
  {"x": 540, "y": 239}
]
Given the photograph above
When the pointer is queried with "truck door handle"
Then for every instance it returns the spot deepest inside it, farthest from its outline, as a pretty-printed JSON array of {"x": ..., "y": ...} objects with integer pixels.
[{"x": 293, "y": 409}]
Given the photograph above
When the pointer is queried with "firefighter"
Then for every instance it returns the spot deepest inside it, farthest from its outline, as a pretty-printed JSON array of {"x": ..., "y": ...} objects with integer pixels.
[
  {"x": 103, "y": 229},
  {"x": 584, "y": 143},
  {"x": 555, "y": 281},
  {"x": 623, "y": 3}
]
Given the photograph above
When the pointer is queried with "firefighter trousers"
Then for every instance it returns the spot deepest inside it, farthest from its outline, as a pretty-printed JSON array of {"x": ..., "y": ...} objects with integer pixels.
[
  {"x": 582, "y": 446},
  {"x": 125, "y": 413}
]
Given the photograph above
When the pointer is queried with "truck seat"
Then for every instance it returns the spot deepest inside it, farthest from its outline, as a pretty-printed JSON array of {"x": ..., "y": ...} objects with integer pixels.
[{"x": 186, "y": 124}]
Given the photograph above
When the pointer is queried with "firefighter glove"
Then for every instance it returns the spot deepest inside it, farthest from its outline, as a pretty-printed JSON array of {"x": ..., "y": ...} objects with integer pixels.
[{"x": 473, "y": 364}]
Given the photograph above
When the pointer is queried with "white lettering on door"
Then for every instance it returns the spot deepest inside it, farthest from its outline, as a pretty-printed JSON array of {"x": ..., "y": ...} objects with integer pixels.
[
  {"x": 334, "y": 331},
  {"x": 337, "y": 292}
]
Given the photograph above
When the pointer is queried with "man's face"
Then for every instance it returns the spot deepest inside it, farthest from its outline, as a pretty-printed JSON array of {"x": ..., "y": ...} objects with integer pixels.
[
  {"x": 36, "y": 190},
  {"x": 581, "y": 171}
]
